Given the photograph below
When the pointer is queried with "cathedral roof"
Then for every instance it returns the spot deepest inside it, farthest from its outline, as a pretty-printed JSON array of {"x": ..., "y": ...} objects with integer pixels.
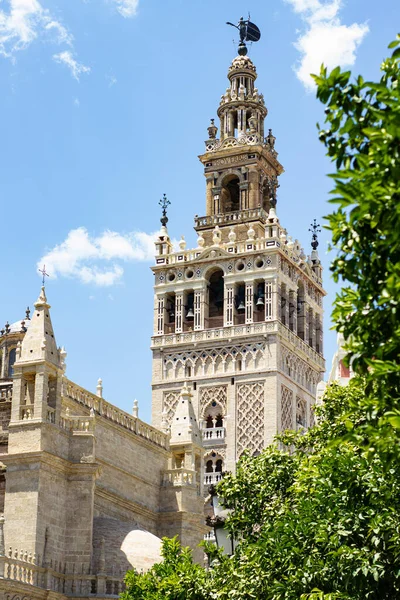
[{"x": 17, "y": 326}]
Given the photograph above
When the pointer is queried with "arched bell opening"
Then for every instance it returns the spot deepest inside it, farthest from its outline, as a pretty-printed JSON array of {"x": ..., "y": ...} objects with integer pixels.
[
  {"x": 230, "y": 194},
  {"x": 215, "y": 299},
  {"x": 188, "y": 311},
  {"x": 170, "y": 313},
  {"x": 266, "y": 195},
  {"x": 301, "y": 311}
]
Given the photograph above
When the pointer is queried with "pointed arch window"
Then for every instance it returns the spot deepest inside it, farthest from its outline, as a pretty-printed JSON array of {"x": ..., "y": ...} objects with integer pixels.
[{"x": 11, "y": 361}]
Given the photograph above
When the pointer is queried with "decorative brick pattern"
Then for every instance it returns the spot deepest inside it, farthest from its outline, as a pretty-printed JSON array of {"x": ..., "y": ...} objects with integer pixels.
[{"x": 250, "y": 417}]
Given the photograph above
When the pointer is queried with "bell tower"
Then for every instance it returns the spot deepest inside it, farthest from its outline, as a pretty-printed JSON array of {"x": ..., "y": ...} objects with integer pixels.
[{"x": 239, "y": 317}]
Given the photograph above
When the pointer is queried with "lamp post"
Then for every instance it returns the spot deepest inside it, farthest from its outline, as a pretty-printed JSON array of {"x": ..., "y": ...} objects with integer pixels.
[{"x": 225, "y": 541}]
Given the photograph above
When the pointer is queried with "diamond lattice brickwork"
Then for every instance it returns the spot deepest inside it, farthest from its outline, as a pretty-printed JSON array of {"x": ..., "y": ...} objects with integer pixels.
[
  {"x": 286, "y": 408},
  {"x": 250, "y": 417}
]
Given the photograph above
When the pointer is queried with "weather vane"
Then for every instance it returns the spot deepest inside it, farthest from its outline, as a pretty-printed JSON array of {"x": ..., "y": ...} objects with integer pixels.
[
  {"x": 44, "y": 274},
  {"x": 315, "y": 229},
  {"x": 164, "y": 203},
  {"x": 248, "y": 32}
]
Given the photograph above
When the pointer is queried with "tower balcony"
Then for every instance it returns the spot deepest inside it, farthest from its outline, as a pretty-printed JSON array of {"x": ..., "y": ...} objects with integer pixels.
[
  {"x": 213, "y": 436},
  {"x": 241, "y": 331},
  {"x": 230, "y": 218},
  {"x": 212, "y": 478}
]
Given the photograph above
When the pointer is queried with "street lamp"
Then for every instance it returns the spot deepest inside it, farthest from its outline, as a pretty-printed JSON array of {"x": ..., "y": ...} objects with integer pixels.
[{"x": 222, "y": 537}]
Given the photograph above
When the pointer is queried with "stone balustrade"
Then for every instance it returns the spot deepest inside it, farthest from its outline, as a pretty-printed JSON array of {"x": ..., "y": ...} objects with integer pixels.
[
  {"x": 6, "y": 393},
  {"x": 21, "y": 567},
  {"x": 269, "y": 327},
  {"x": 213, "y": 435},
  {"x": 231, "y": 217},
  {"x": 26, "y": 412},
  {"x": 212, "y": 478},
  {"x": 106, "y": 410},
  {"x": 180, "y": 477}
]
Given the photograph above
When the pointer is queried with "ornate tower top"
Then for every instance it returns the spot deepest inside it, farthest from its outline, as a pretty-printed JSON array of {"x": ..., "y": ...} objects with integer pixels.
[{"x": 241, "y": 165}]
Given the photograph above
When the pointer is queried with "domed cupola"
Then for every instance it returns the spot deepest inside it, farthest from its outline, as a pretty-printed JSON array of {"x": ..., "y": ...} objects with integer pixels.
[{"x": 242, "y": 109}]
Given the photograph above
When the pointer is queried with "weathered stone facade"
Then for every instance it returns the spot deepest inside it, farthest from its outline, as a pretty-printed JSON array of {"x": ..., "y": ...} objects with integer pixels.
[{"x": 86, "y": 490}]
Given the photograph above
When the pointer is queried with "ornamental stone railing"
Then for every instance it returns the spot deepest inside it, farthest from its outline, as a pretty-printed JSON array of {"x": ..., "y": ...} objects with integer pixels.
[
  {"x": 179, "y": 477},
  {"x": 101, "y": 407},
  {"x": 20, "y": 566},
  {"x": 6, "y": 392},
  {"x": 241, "y": 216},
  {"x": 271, "y": 327},
  {"x": 212, "y": 478},
  {"x": 214, "y": 434}
]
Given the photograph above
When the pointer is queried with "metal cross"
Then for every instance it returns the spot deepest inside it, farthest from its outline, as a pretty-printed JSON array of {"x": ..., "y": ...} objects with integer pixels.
[
  {"x": 44, "y": 274},
  {"x": 315, "y": 229},
  {"x": 164, "y": 203}
]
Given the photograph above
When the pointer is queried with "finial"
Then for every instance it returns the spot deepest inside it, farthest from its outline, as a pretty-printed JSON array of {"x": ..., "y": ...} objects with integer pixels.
[
  {"x": 315, "y": 229},
  {"x": 99, "y": 388},
  {"x": 135, "y": 410},
  {"x": 273, "y": 186},
  {"x": 248, "y": 32},
  {"x": 270, "y": 139},
  {"x": 23, "y": 328},
  {"x": 182, "y": 243},
  {"x": 7, "y": 328},
  {"x": 44, "y": 274},
  {"x": 212, "y": 130},
  {"x": 27, "y": 313},
  {"x": 164, "y": 203}
]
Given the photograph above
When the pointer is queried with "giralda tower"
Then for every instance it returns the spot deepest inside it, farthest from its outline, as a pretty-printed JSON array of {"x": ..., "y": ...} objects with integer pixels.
[{"x": 239, "y": 318}]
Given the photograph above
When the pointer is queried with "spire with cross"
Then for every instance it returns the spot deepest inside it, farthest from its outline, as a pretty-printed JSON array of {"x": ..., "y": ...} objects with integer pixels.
[
  {"x": 315, "y": 229},
  {"x": 44, "y": 274}
]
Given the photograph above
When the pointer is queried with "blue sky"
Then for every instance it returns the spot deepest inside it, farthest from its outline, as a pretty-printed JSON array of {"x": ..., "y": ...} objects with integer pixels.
[{"x": 105, "y": 105}]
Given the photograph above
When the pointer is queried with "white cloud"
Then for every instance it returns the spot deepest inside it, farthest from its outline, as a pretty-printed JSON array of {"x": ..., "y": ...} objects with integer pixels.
[
  {"x": 23, "y": 22},
  {"x": 112, "y": 80},
  {"x": 67, "y": 59},
  {"x": 77, "y": 102},
  {"x": 85, "y": 258},
  {"x": 127, "y": 8},
  {"x": 325, "y": 39}
]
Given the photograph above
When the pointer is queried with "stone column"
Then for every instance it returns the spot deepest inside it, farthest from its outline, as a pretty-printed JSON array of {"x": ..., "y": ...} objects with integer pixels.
[
  {"x": 179, "y": 308},
  {"x": 249, "y": 297},
  {"x": 275, "y": 299},
  {"x": 160, "y": 317},
  {"x": 254, "y": 191},
  {"x": 198, "y": 312},
  {"x": 268, "y": 300},
  {"x": 41, "y": 391},
  {"x": 229, "y": 305},
  {"x": 209, "y": 196},
  {"x": 293, "y": 311}
]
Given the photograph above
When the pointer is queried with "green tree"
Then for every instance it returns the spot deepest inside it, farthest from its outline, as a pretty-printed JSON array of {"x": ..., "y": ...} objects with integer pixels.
[{"x": 176, "y": 578}]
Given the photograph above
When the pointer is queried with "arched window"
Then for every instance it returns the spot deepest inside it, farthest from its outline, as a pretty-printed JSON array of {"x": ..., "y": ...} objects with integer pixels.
[
  {"x": 219, "y": 421},
  {"x": 209, "y": 422},
  {"x": 218, "y": 466},
  {"x": 230, "y": 195},
  {"x": 11, "y": 361},
  {"x": 209, "y": 466},
  {"x": 216, "y": 299}
]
